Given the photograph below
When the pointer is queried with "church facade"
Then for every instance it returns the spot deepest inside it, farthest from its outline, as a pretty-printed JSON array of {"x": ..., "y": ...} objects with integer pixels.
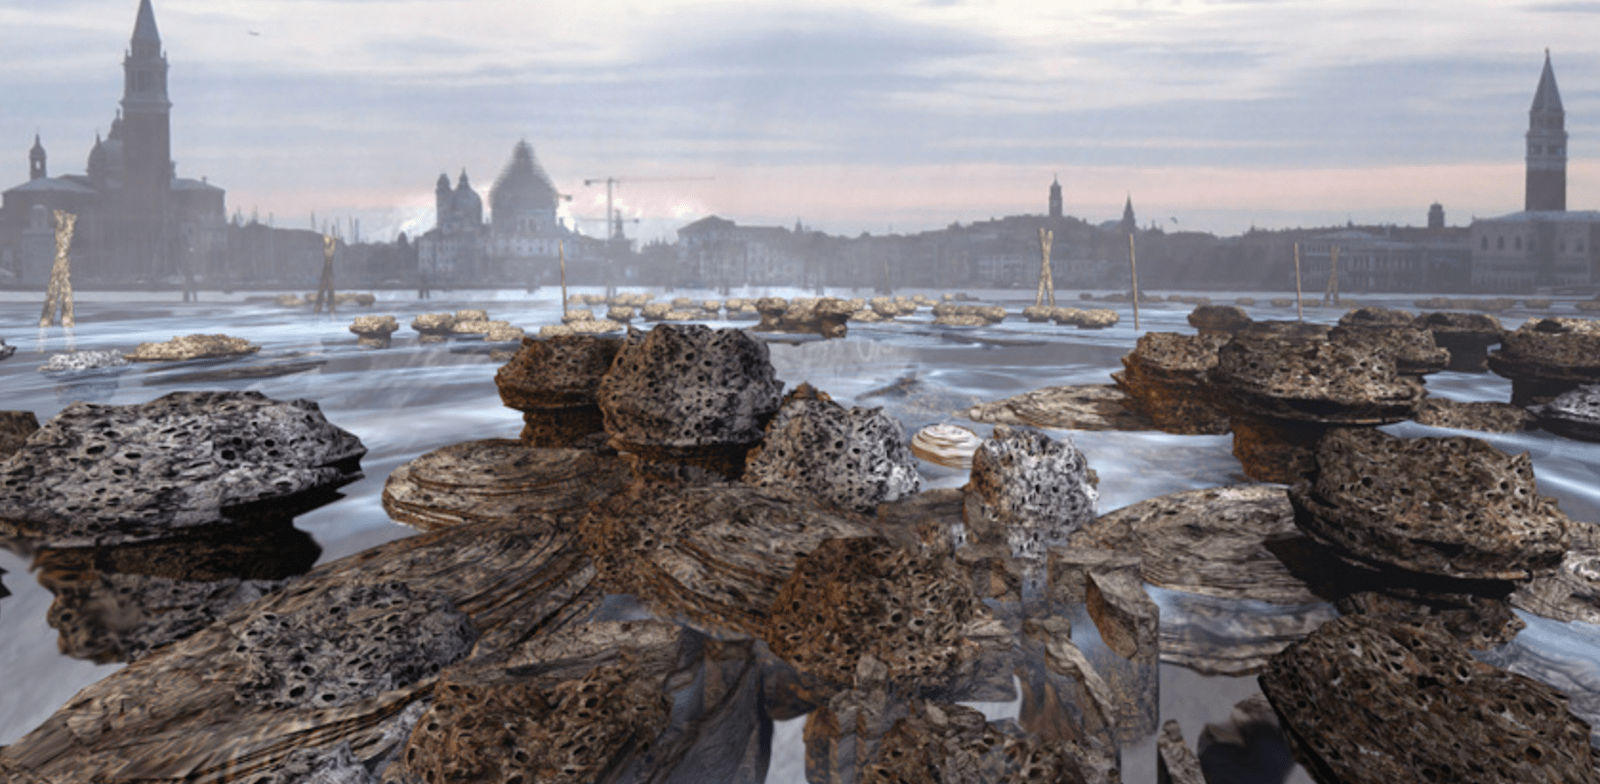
[{"x": 138, "y": 222}]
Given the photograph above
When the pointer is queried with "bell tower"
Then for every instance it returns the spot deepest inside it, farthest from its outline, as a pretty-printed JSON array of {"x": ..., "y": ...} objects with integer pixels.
[
  {"x": 1055, "y": 198},
  {"x": 36, "y": 161},
  {"x": 143, "y": 209},
  {"x": 1547, "y": 147}
]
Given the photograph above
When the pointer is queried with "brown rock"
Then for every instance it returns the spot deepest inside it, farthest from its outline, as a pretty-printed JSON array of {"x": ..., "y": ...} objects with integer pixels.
[
  {"x": 1175, "y": 761},
  {"x": 853, "y": 458},
  {"x": 1573, "y": 414},
  {"x": 1454, "y": 507},
  {"x": 1467, "y": 336},
  {"x": 15, "y": 427},
  {"x": 1087, "y": 407},
  {"x": 1165, "y": 379},
  {"x": 1414, "y": 351},
  {"x": 1313, "y": 381},
  {"x": 1371, "y": 700},
  {"x": 1478, "y": 622},
  {"x": 193, "y": 347},
  {"x": 1487, "y": 416},
  {"x": 558, "y": 372},
  {"x": 1219, "y": 319},
  {"x": 499, "y": 480},
  {"x": 1572, "y": 592},
  {"x": 1548, "y": 356}
]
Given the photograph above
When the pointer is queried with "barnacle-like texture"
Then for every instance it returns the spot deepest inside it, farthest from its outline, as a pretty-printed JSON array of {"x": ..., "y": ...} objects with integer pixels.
[
  {"x": 1313, "y": 381},
  {"x": 1574, "y": 414},
  {"x": 1165, "y": 379},
  {"x": 1028, "y": 491},
  {"x": 1548, "y": 356},
  {"x": 558, "y": 372},
  {"x": 193, "y": 347},
  {"x": 851, "y": 458}
]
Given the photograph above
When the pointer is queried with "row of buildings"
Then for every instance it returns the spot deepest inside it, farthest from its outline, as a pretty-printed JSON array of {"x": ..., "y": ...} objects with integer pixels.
[{"x": 140, "y": 224}]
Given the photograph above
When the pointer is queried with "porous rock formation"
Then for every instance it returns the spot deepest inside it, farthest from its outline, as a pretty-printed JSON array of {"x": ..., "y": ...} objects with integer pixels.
[
  {"x": 433, "y": 327},
  {"x": 688, "y": 391},
  {"x": 15, "y": 427},
  {"x": 1085, "y": 407},
  {"x": 499, "y": 479},
  {"x": 1028, "y": 491},
  {"x": 193, "y": 347},
  {"x": 853, "y": 458},
  {"x": 1222, "y": 320},
  {"x": 1546, "y": 357},
  {"x": 827, "y": 316},
  {"x": 1165, "y": 379},
  {"x": 1414, "y": 351},
  {"x": 80, "y": 361},
  {"x": 1574, "y": 413},
  {"x": 99, "y": 474},
  {"x": 967, "y": 315},
  {"x": 1467, "y": 336},
  {"x": 1484, "y": 415},
  {"x": 1365, "y": 699},
  {"x": 374, "y": 331},
  {"x": 555, "y": 383},
  {"x": 1454, "y": 507}
]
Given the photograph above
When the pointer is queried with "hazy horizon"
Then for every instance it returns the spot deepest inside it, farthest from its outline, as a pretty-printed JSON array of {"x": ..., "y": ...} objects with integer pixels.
[{"x": 1214, "y": 116}]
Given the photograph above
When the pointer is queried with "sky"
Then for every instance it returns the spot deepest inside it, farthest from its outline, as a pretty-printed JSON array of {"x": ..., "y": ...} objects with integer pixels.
[{"x": 894, "y": 116}]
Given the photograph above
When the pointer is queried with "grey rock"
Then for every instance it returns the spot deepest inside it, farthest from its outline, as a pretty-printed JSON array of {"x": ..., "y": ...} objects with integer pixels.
[
  {"x": 100, "y": 474},
  {"x": 853, "y": 458},
  {"x": 5, "y": 350},
  {"x": 328, "y": 765},
  {"x": 15, "y": 427},
  {"x": 1414, "y": 350},
  {"x": 1574, "y": 414},
  {"x": 1250, "y": 746},
  {"x": 361, "y": 641},
  {"x": 1176, "y": 763},
  {"x": 1572, "y": 592},
  {"x": 1028, "y": 491},
  {"x": 78, "y": 361},
  {"x": 1219, "y": 319},
  {"x": 1086, "y": 407},
  {"x": 1215, "y": 636}
]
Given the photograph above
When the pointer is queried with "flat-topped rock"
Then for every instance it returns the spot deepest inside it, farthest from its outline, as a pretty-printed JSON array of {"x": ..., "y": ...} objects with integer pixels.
[
  {"x": 1296, "y": 331},
  {"x": 80, "y": 361},
  {"x": 1574, "y": 414},
  {"x": 499, "y": 479},
  {"x": 100, "y": 474},
  {"x": 1572, "y": 591},
  {"x": 1485, "y": 415},
  {"x": 689, "y": 387},
  {"x": 1219, "y": 319},
  {"x": 1370, "y": 700},
  {"x": 967, "y": 315},
  {"x": 1085, "y": 318},
  {"x": 193, "y": 347},
  {"x": 1454, "y": 507},
  {"x": 433, "y": 327},
  {"x": 1313, "y": 381},
  {"x": 1083, "y": 407},
  {"x": 1548, "y": 356},
  {"x": 853, "y": 458},
  {"x": 374, "y": 330},
  {"x": 15, "y": 427},
  {"x": 1165, "y": 379},
  {"x": 1028, "y": 491},
  {"x": 1377, "y": 317},
  {"x": 1414, "y": 351},
  {"x": 1467, "y": 336},
  {"x": 557, "y": 372}
]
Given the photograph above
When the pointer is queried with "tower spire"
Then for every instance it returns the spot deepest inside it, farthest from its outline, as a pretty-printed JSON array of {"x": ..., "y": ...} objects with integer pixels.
[
  {"x": 36, "y": 160},
  {"x": 1546, "y": 188}
]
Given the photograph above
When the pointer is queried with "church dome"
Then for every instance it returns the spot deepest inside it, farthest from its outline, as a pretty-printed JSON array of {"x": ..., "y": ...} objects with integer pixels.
[{"x": 523, "y": 188}]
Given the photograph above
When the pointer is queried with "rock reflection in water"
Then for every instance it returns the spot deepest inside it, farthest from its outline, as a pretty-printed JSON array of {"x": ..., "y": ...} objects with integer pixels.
[{"x": 118, "y": 603}]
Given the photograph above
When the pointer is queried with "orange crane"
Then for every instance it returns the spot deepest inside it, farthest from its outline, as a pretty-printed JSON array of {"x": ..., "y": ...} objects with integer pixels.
[{"x": 612, "y": 182}]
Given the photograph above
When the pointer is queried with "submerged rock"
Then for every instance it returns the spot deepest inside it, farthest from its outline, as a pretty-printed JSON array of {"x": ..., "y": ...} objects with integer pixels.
[
  {"x": 1546, "y": 357},
  {"x": 99, "y": 474},
  {"x": 1086, "y": 407},
  {"x": 499, "y": 479},
  {"x": 1574, "y": 414},
  {"x": 1371, "y": 700},
  {"x": 1165, "y": 379},
  {"x": 853, "y": 458},
  {"x": 193, "y": 347}
]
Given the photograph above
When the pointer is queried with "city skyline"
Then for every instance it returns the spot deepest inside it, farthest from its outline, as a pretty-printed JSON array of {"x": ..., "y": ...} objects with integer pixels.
[{"x": 1214, "y": 116}]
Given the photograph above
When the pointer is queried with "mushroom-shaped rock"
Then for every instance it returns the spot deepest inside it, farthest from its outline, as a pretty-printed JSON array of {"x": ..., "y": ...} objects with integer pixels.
[
  {"x": 1372, "y": 700},
  {"x": 1028, "y": 491},
  {"x": 1454, "y": 507},
  {"x": 1574, "y": 414},
  {"x": 499, "y": 479},
  {"x": 100, "y": 474},
  {"x": 555, "y": 382},
  {"x": 502, "y": 332},
  {"x": 1219, "y": 319},
  {"x": 864, "y": 597},
  {"x": 1467, "y": 336},
  {"x": 1165, "y": 379},
  {"x": 1377, "y": 317},
  {"x": 1414, "y": 351},
  {"x": 1548, "y": 356},
  {"x": 374, "y": 330},
  {"x": 434, "y": 327},
  {"x": 686, "y": 391},
  {"x": 853, "y": 458},
  {"x": 193, "y": 347}
]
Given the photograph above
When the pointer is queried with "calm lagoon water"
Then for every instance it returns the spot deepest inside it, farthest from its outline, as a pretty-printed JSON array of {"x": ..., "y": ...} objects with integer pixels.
[{"x": 408, "y": 399}]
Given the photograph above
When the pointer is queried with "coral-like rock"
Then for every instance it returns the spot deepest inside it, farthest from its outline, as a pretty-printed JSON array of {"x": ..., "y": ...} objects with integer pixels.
[
  {"x": 691, "y": 388},
  {"x": 1086, "y": 407},
  {"x": 374, "y": 330},
  {"x": 1485, "y": 415},
  {"x": 1574, "y": 414},
  {"x": 98, "y": 474},
  {"x": 1313, "y": 381},
  {"x": 1414, "y": 351},
  {"x": 79, "y": 361},
  {"x": 1165, "y": 379},
  {"x": 193, "y": 347},
  {"x": 1370, "y": 700},
  {"x": 1028, "y": 491},
  {"x": 499, "y": 479},
  {"x": 1548, "y": 356},
  {"x": 851, "y": 458},
  {"x": 556, "y": 373},
  {"x": 1454, "y": 507}
]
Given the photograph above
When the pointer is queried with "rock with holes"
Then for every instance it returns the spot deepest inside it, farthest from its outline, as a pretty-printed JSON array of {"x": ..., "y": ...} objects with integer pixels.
[
  {"x": 1546, "y": 357},
  {"x": 193, "y": 347},
  {"x": 1028, "y": 491},
  {"x": 1488, "y": 416},
  {"x": 1085, "y": 407},
  {"x": 363, "y": 641},
  {"x": 1414, "y": 351},
  {"x": 1572, "y": 593},
  {"x": 15, "y": 427},
  {"x": 1452, "y": 507},
  {"x": 941, "y": 743},
  {"x": 499, "y": 479},
  {"x": 102, "y": 474},
  {"x": 1165, "y": 379},
  {"x": 83, "y": 361},
  {"x": 374, "y": 331},
  {"x": 853, "y": 458},
  {"x": 555, "y": 382},
  {"x": 1372, "y": 700},
  {"x": 689, "y": 392},
  {"x": 849, "y": 599},
  {"x": 328, "y": 765},
  {"x": 1467, "y": 336},
  {"x": 1574, "y": 414},
  {"x": 1219, "y": 319}
]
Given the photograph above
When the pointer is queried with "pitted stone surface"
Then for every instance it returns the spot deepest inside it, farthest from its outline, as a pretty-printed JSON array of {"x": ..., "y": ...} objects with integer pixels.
[
  {"x": 1313, "y": 381},
  {"x": 79, "y": 361},
  {"x": 1371, "y": 700},
  {"x": 15, "y": 427},
  {"x": 193, "y": 347},
  {"x": 100, "y": 474},
  {"x": 1028, "y": 491},
  {"x": 1574, "y": 414},
  {"x": 688, "y": 387},
  {"x": 1485, "y": 415},
  {"x": 556, "y": 372},
  {"x": 362, "y": 641},
  {"x": 1093, "y": 318},
  {"x": 1454, "y": 507},
  {"x": 374, "y": 326},
  {"x": 1414, "y": 351},
  {"x": 122, "y": 617},
  {"x": 1377, "y": 317},
  {"x": 1219, "y": 319},
  {"x": 1467, "y": 336},
  {"x": 1548, "y": 356},
  {"x": 860, "y": 597},
  {"x": 1165, "y": 379},
  {"x": 851, "y": 458}
]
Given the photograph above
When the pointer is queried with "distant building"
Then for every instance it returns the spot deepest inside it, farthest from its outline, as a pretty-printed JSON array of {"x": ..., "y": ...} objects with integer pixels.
[
  {"x": 1055, "y": 198},
  {"x": 137, "y": 221},
  {"x": 1545, "y": 246},
  {"x": 456, "y": 248}
]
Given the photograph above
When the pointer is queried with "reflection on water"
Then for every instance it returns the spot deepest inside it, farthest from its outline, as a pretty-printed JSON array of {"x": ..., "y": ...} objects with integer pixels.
[{"x": 409, "y": 399}]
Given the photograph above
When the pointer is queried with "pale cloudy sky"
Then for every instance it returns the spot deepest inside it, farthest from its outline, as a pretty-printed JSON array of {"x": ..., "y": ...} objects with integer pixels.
[{"x": 902, "y": 115}]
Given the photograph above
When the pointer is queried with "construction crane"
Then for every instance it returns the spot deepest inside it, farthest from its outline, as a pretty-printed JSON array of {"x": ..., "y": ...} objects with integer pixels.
[
  {"x": 615, "y": 223},
  {"x": 612, "y": 182}
]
